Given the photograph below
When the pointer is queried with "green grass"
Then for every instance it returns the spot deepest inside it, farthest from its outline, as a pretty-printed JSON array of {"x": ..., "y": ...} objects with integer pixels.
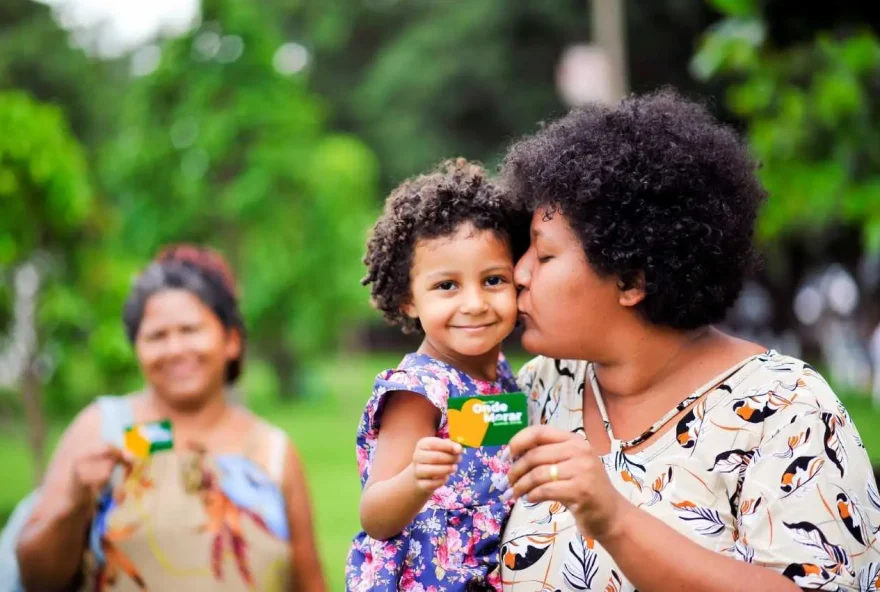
[{"x": 323, "y": 429}]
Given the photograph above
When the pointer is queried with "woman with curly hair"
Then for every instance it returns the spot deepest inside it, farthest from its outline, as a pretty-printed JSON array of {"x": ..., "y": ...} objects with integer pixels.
[
  {"x": 440, "y": 263},
  {"x": 665, "y": 454}
]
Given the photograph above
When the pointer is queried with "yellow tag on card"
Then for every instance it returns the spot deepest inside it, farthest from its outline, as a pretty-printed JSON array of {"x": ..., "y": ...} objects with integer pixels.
[{"x": 144, "y": 439}]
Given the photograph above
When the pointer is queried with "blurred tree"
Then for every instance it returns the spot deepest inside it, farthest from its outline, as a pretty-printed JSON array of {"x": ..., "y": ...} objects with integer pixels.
[
  {"x": 812, "y": 118},
  {"x": 805, "y": 84},
  {"x": 36, "y": 55},
  {"x": 83, "y": 347},
  {"x": 429, "y": 79},
  {"x": 47, "y": 208},
  {"x": 221, "y": 142}
]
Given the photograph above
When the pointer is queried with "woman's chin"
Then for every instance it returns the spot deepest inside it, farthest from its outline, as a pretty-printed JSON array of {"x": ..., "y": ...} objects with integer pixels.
[
  {"x": 538, "y": 345},
  {"x": 531, "y": 342},
  {"x": 184, "y": 395}
]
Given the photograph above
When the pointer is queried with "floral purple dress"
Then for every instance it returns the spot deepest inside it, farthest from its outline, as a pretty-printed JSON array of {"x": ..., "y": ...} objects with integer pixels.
[{"x": 453, "y": 543}]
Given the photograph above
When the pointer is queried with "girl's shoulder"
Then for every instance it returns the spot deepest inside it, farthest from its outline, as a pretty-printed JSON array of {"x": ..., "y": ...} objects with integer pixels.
[
  {"x": 423, "y": 374},
  {"x": 417, "y": 374}
]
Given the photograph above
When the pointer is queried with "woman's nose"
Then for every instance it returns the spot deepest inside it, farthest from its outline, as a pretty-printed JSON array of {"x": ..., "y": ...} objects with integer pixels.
[
  {"x": 522, "y": 273},
  {"x": 174, "y": 345}
]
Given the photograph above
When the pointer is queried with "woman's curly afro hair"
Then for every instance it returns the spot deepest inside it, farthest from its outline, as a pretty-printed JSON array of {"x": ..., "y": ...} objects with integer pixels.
[
  {"x": 657, "y": 190},
  {"x": 431, "y": 206}
]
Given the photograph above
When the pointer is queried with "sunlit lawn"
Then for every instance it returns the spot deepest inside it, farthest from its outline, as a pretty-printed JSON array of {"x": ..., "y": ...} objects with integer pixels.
[{"x": 323, "y": 429}]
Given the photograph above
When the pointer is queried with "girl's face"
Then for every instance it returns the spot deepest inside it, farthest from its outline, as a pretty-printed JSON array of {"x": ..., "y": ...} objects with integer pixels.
[
  {"x": 183, "y": 348},
  {"x": 463, "y": 293}
]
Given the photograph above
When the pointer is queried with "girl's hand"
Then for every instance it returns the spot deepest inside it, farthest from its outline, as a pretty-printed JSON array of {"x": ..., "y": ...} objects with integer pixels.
[
  {"x": 434, "y": 460},
  {"x": 561, "y": 466}
]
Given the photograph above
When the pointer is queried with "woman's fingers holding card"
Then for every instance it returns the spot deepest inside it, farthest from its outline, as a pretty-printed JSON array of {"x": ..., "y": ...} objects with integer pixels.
[
  {"x": 535, "y": 436},
  {"x": 542, "y": 456}
]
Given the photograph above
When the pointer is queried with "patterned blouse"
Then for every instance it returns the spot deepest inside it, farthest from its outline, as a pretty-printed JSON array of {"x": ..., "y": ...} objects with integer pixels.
[
  {"x": 767, "y": 467},
  {"x": 453, "y": 543},
  {"x": 194, "y": 521}
]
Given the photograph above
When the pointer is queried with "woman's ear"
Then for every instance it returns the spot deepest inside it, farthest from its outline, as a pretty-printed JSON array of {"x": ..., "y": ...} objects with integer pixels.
[
  {"x": 233, "y": 344},
  {"x": 631, "y": 292}
]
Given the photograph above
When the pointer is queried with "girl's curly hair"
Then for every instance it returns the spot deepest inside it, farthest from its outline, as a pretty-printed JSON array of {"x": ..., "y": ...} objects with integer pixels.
[{"x": 430, "y": 206}]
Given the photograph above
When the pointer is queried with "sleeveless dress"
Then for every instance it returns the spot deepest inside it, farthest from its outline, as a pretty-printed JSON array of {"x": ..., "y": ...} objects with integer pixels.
[
  {"x": 453, "y": 543},
  {"x": 193, "y": 521},
  {"x": 765, "y": 467}
]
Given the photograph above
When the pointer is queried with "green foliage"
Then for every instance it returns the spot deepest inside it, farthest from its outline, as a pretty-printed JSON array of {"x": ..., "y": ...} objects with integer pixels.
[
  {"x": 423, "y": 81},
  {"x": 36, "y": 56},
  {"x": 813, "y": 120},
  {"x": 49, "y": 211},
  {"x": 44, "y": 192},
  {"x": 217, "y": 147}
]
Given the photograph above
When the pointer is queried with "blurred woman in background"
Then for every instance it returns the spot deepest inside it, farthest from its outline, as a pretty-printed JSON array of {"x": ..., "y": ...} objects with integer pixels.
[{"x": 218, "y": 502}]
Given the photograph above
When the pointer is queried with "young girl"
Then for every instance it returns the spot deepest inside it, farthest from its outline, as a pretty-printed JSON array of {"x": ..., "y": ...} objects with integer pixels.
[{"x": 441, "y": 264}]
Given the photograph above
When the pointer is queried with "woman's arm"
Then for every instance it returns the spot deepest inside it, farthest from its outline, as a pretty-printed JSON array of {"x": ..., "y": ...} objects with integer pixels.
[
  {"x": 50, "y": 547},
  {"x": 307, "y": 573},
  {"x": 652, "y": 555},
  {"x": 408, "y": 465},
  {"x": 656, "y": 557}
]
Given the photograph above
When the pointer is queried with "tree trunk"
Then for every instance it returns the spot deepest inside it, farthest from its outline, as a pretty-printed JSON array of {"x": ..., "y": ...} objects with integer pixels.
[
  {"x": 31, "y": 392},
  {"x": 18, "y": 362}
]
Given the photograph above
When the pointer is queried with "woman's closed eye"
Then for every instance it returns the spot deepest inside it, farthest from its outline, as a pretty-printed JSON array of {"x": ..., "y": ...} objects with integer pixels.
[{"x": 154, "y": 336}]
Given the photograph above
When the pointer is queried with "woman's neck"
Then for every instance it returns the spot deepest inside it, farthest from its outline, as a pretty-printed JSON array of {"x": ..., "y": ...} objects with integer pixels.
[
  {"x": 644, "y": 365},
  {"x": 482, "y": 367},
  {"x": 193, "y": 420}
]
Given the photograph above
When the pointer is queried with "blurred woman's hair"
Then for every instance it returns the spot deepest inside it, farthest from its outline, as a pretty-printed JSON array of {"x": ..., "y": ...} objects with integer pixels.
[{"x": 200, "y": 271}]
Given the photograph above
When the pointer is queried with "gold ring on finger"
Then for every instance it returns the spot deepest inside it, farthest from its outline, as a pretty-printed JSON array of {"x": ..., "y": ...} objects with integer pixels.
[{"x": 554, "y": 472}]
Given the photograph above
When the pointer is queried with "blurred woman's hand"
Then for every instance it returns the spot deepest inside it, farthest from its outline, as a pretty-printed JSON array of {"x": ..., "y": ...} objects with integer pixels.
[{"x": 91, "y": 471}]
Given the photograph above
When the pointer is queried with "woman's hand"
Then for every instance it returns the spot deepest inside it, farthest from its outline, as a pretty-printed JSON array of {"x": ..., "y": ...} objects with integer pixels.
[
  {"x": 434, "y": 461},
  {"x": 91, "y": 471},
  {"x": 561, "y": 466}
]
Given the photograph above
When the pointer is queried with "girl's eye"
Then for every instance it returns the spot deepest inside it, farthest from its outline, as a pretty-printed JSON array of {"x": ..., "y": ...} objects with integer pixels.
[
  {"x": 495, "y": 280},
  {"x": 445, "y": 285}
]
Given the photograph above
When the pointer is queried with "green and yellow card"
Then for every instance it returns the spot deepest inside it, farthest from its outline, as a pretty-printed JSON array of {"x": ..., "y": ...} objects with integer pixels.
[
  {"x": 144, "y": 439},
  {"x": 490, "y": 420}
]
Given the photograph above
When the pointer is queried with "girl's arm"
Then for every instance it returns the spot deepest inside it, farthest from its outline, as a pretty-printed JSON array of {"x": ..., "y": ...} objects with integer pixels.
[
  {"x": 307, "y": 573},
  {"x": 409, "y": 464}
]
